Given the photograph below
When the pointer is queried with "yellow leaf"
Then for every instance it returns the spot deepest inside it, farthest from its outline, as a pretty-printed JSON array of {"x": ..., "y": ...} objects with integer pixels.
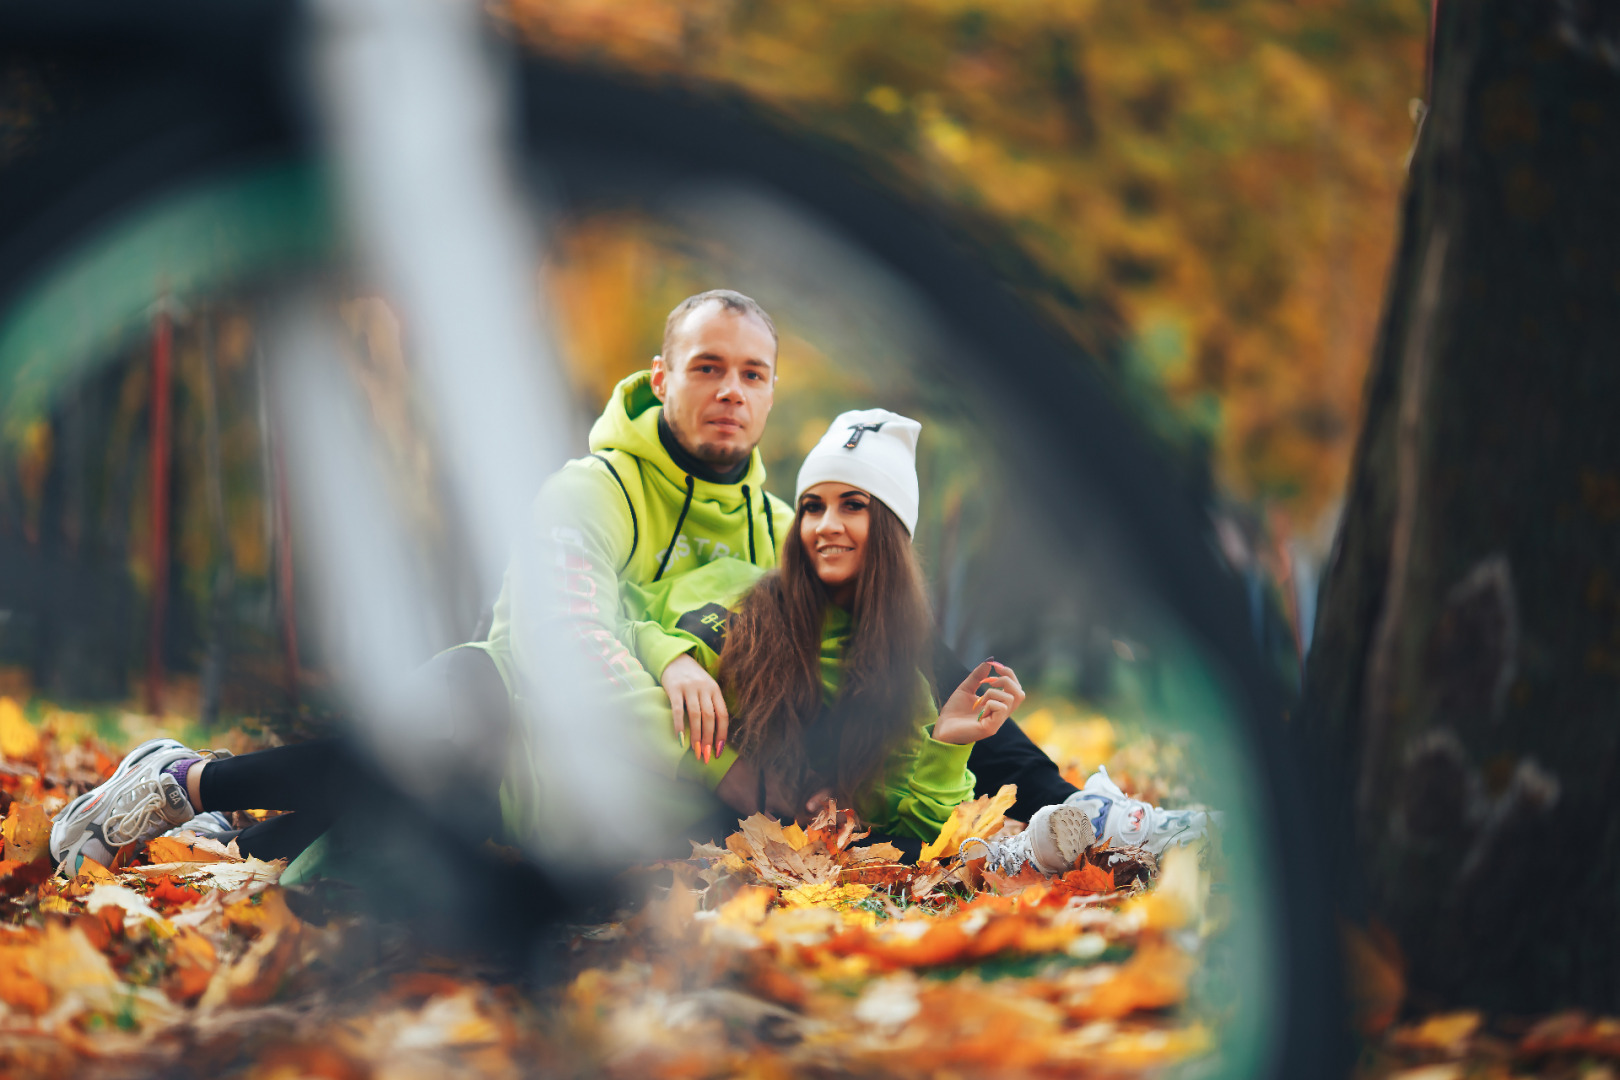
[
  {"x": 264, "y": 913},
  {"x": 794, "y": 836},
  {"x": 1447, "y": 1031},
  {"x": 824, "y": 895},
  {"x": 187, "y": 847},
  {"x": 27, "y": 832},
  {"x": 978, "y": 817},
  {"x": 69, "y": 963},
  {"x": 1178, "y": 899},
  {"x": 18, "y": 739},
  {"x": 747, "y": 909}
]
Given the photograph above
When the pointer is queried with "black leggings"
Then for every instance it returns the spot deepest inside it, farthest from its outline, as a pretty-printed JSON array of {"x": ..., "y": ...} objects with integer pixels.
[
  {"x": 315, "y": 780},
  {"x": 320, "y": 780},
  {"x": 328, "y": 779},
  {"x": 1011, "y": 757}
]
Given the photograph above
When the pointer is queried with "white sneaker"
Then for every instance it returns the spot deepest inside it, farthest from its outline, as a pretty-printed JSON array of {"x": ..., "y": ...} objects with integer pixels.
[
  {"x": 138, "y": 802},
  {"x": 211, "y": 824},
  {"x": 1054, "y": 839},
  {"x": 1131, "y": 822}
]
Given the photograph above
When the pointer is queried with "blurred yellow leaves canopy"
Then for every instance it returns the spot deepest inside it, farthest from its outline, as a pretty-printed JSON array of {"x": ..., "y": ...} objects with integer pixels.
[{"x": 1223, "y": 173}]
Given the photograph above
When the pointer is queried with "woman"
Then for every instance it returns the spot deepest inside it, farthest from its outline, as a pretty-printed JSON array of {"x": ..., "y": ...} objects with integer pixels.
[{"x": 823, "y": 660}]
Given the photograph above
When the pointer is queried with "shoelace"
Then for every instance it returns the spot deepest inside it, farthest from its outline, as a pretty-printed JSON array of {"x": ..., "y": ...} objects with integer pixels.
[
  {"x": 1005, "y": 857},
  {"x": 143, "y": 815}
]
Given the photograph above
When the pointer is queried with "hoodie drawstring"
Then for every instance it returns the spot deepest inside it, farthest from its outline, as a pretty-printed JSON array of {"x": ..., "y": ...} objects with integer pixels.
[
  {"x": 691, "y": 486},
  {"x": 748, "y": 507},
  {"x": 770, "y": 529}
]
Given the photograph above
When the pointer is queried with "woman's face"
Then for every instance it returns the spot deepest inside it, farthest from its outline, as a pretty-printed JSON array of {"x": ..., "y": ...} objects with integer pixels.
[{"x": 836, "y": 518}]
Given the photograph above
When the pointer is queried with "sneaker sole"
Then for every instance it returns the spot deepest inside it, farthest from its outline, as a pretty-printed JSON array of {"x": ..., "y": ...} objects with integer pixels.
[{"x": 1068, "y": 834}]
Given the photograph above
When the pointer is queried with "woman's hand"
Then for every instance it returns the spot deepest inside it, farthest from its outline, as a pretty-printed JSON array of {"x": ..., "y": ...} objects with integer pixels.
[
  {"x": 695, "y": 699},
  {"x": 980, "y": 705},
  {"x": 814, "y": 805}
]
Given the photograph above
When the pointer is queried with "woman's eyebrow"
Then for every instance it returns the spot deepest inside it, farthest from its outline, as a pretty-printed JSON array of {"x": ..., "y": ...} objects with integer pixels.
[{"x": 855, "y": 492}]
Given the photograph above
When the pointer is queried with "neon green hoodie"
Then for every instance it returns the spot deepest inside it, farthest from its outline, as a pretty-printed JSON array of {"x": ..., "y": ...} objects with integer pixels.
[
  {"x": 608, "y": 526},
  {"x": 923, "y": 779}
]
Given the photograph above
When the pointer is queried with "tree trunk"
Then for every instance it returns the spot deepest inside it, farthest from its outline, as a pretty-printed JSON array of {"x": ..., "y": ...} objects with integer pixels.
[{"x": 1464, "y": 689}]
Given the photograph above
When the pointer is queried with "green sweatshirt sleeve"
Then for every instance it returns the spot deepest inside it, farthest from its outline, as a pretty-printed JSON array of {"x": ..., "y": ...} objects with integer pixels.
[
  {"x": 568, "y": 576},
  {"x": 656, "y": 647},
  {"x": 925, "y": 784}
]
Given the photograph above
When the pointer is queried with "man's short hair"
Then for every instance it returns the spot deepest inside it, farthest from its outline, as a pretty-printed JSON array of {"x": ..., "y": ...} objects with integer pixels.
[{"x": 730, "y": 300}]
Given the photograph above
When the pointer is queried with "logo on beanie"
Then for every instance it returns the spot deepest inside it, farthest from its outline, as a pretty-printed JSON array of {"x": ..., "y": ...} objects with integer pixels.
[{"x": 857, "y": 430}]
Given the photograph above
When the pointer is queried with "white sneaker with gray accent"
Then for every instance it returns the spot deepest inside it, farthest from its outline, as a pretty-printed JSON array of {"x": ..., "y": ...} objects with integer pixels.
[
  {"x": 138, "y": 802},
  {"x": 1129, "y": 822},
  {"x": 1053, "y": 841},
  {"x": 211, "y": 824}
]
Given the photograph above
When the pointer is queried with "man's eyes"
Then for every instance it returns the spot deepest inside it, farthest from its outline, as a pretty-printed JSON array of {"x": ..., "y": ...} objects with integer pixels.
[{"x": 714, "y": 369}]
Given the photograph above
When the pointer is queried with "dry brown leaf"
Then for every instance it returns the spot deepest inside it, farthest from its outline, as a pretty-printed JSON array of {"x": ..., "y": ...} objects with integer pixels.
[
  {"x": 1375, "y": 971},
  {"x": 20, "y": 988},
  {"x": 17, "y": 877},
  {"x": 255, "y": 978},
  {"x": 1574, "y": 1032},
  {"x": 924, "y": 884},
  {"x": 877, "y": 874},
  {"x": 883, "y": 853},
  {"x": 193, "y": 962},
  {"x": 835, "y": 828}
]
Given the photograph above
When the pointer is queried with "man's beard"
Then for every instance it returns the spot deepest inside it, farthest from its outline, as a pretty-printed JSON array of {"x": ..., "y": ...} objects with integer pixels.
[
  {"x": 719, "y": 457},
  {"x": 716, "y": 456}
]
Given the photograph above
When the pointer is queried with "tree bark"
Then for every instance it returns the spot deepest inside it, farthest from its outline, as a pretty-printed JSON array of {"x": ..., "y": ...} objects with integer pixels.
[{"x": 1464, "y": 688}]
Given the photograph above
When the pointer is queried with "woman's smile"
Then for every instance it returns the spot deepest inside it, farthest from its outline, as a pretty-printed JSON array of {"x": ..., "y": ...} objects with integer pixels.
[{"x": 834, "y": 523}]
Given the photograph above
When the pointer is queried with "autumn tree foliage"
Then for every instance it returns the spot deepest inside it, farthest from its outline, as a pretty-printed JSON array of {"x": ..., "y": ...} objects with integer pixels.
[
  {"x": 1224, "y": 174},
  {"x": 1463, "y": 687}
]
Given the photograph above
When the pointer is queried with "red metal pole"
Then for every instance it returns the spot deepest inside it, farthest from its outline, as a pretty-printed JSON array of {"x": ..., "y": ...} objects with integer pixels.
[
  {"x": 162, "y": 348},
  {"x": 284, "y": 567}
]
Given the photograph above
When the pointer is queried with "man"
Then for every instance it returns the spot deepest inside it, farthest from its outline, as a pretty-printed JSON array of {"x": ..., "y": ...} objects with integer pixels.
[{"x": 674, "y": 480}]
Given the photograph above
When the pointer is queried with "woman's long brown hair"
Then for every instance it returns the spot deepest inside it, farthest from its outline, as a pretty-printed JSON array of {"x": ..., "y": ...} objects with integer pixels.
[{"x": 771, "y": 667}]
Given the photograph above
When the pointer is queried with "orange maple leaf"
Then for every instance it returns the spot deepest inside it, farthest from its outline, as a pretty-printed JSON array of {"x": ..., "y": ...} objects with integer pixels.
[{"x": 1089, "y": 880}]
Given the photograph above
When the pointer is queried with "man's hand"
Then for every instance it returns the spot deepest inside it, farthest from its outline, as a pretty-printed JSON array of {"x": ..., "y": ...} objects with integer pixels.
[
  {"x": 980, "y": 705},
  {"x": 695, "y": 700}
]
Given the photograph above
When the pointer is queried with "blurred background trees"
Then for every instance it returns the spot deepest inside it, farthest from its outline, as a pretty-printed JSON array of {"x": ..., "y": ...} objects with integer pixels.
[
  {"x": 1223, "y": 173},
  {"x": 1207, "y": 191}
]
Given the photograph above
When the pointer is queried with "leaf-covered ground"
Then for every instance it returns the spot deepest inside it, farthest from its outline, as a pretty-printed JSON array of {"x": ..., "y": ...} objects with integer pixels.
[{"x": 784, "y": 952}]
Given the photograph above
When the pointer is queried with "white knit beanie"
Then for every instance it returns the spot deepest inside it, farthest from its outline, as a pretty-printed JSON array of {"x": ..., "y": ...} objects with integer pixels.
[{"x": 872, "y": 449}]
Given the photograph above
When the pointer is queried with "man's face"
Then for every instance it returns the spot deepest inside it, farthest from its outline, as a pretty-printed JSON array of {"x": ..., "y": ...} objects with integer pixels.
[{"x": 717, "y": 383}]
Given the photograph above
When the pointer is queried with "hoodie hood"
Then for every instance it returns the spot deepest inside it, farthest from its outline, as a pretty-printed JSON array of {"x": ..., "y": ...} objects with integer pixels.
[{"x": 630, "y": 423}]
